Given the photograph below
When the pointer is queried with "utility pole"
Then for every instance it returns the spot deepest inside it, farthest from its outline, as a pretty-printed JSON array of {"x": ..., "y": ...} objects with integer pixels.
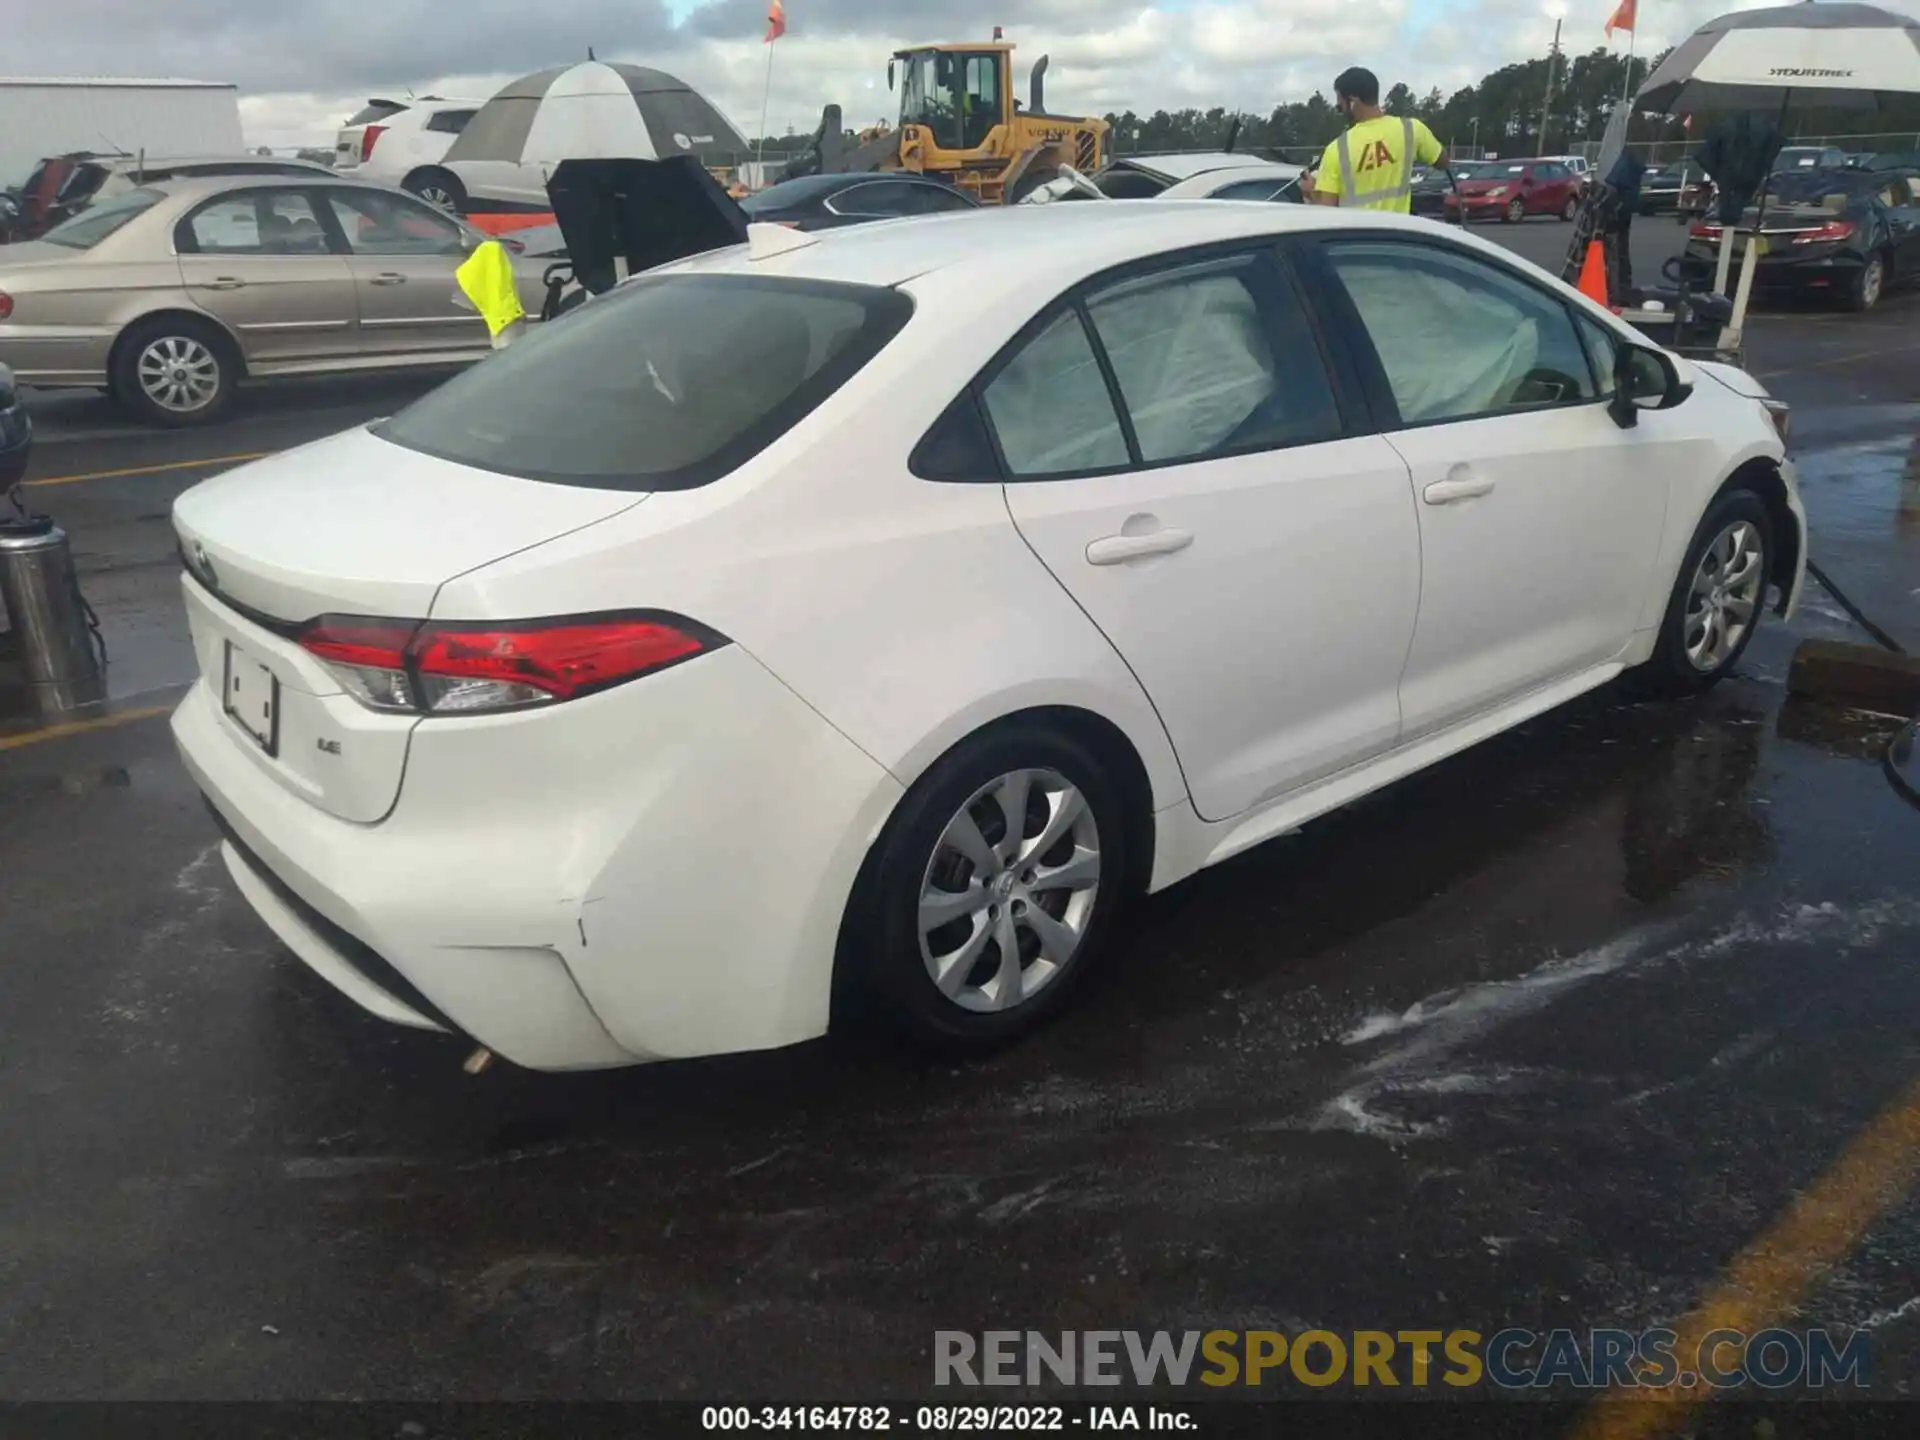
[{"x": 1546, "y": 106}]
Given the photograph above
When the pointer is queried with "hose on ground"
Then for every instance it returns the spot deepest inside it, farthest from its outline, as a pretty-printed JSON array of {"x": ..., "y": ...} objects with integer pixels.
[{"x": 1899, "y": 752}]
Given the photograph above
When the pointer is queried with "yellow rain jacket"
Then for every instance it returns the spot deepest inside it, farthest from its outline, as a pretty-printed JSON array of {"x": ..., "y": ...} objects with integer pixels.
[{"x": 486, "y": 278}]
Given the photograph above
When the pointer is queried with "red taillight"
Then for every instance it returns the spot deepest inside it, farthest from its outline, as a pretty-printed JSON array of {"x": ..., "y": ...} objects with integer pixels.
[
  {"x": 6, "y": 305},
  {"x": 1826, "y": 234},
  {"x": 474, "y": 667},
  {"x": 1703, "y": 231},
  {"x": 367, "y": 137}
]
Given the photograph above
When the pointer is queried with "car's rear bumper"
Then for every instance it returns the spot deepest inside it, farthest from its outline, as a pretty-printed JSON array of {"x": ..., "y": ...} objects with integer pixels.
[{"x": 655, "y": 872}]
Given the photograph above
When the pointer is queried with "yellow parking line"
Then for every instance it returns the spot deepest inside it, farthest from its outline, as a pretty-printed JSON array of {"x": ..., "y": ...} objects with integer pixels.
[
  {"x": 1765, "y": 1280},
  {"x": 152, "y": 469},
  {"x": 81, "y": 727}
]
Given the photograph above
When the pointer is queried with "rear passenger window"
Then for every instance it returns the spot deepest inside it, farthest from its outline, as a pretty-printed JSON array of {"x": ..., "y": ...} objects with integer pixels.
[
  {"x": 1051, "y": 408},
  {"x": 1214, "y": 358}
]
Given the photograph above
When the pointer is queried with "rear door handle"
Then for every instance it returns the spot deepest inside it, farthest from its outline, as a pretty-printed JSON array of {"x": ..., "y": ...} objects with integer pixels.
[
  {"x": 224, "y": 282},
  {"x": 1115, "y": 549},
  {"x": 388, "y": 277},
  {"x": 1457, "y": 487}
]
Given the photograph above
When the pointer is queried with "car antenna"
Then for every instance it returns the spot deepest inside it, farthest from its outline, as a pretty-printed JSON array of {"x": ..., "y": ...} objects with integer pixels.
[{"x": 590, "y": 54}]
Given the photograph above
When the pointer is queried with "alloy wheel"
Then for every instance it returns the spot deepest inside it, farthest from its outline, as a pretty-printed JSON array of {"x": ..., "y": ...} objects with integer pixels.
[
  {"x": 437, "y": 196},
  {"x": 1009, "y": 891},
  {"x": 1724, "y": 596},
  {"x": 179, "y": 373},
  {"x": 1516, "y": 210}
]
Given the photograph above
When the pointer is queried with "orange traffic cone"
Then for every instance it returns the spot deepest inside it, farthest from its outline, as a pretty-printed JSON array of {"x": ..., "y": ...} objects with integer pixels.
[{"x": 1593, "y": 275}]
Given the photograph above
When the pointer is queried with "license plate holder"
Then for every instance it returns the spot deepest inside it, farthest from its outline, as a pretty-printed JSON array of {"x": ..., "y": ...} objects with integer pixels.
[{"x": 250, "y": 694}]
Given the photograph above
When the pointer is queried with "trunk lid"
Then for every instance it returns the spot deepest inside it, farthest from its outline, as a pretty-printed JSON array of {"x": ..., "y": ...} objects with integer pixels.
[
  {"x": 349, "y": 526},
  {"x": 353, "y": 525}
]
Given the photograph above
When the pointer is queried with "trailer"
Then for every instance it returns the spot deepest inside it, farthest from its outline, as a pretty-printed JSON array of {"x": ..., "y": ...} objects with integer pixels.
[{"x": 45, "y": 116}]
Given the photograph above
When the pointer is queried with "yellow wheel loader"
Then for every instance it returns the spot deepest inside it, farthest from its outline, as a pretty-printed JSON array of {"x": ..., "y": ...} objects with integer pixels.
[{"x": 960, "y": 123}]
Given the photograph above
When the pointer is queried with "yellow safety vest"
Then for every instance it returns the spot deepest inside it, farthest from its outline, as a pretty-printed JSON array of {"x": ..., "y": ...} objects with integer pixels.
[
  {"x": 486, "y": 277},
  {"x": 1399, "y": 184}
]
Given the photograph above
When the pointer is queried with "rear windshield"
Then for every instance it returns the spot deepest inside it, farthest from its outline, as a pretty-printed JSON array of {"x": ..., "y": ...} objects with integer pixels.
[
  {"x": 375, "y": 110},
  {"x": 98, "y": 221},
  {"x": 666, "y": 383}
]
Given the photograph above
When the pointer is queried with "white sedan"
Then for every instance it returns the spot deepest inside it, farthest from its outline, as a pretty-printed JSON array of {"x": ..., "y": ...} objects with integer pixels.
[{"x": 856, "y": 615}]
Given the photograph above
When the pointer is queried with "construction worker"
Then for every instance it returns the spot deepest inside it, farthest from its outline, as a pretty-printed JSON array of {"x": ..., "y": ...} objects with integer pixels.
[{"x": 1370, "y": 167}]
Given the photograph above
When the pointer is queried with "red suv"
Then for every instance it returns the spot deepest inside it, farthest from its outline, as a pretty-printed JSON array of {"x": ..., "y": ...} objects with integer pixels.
[{"x": 1515, "y": 189}]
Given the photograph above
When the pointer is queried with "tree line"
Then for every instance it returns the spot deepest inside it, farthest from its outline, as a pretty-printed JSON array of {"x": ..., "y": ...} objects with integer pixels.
[{"x": 1504, "y": 115}]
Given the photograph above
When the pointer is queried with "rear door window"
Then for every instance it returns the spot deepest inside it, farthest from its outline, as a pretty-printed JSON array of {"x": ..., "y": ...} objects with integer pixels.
[
  {"x": 1214, "y": 358},
  {"x": 665, "y": 383},
  {"x": 449, "y": 122},
  {"x": 1051, "y": 408}
]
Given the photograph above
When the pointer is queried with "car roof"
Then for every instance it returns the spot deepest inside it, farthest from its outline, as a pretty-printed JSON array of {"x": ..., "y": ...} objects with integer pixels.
[
  {"x": 1054, "y": 242},
  {"x": 1186, "y": 166},
  {"x": 194, "y": 186},
  {"x": 171, "y": 162},
  {"x": 810, "y": 187}
]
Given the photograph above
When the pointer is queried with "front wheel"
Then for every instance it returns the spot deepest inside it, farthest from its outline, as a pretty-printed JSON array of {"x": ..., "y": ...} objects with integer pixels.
[
  {"x": 1516, "y": 211},
  {"x": 1716, "y": 602},
  {"x": 991, "y": 890},
  {"x": 1571, "y": 208}
]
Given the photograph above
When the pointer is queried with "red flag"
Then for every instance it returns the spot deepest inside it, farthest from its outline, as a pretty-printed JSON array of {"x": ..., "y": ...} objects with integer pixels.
[
  {"x": 777, "y": 21},
  {"x": 1622, "y": 18}
]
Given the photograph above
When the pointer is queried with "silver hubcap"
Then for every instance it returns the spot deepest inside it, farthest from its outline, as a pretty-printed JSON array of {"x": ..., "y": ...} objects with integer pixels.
[
  {"x": 179, "y": 373},
  {"x": 1724, "y": 596},
  {"x": 1870, "y": 282},
  {"x": 435, "y": 195},
  {"x": 1517, "y": 209},
  {"x": 1009, "y": 891}
]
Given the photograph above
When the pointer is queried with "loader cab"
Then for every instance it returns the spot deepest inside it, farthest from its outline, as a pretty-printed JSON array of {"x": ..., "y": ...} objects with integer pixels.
[{"x": 958, "y": 94}]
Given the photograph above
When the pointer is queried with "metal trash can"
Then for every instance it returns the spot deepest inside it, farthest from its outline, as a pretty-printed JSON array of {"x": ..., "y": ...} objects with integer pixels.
[{"x": 41, "y": 597}]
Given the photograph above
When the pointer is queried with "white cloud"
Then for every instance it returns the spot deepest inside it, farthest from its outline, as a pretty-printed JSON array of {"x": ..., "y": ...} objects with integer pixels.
[{"x": 304, "y": 67}]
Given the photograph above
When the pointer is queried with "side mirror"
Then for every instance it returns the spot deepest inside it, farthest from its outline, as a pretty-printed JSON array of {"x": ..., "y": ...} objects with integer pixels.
[{"x": 1643, "y": 379}]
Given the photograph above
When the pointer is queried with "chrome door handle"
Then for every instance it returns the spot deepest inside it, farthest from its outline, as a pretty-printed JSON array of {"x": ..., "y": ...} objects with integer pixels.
[
  {"x": 1445, "y": 492},
  {"x": 387, "y": 277},
  {"x": 1115, "y": 549},
  {"x": 224, "y": 282}
]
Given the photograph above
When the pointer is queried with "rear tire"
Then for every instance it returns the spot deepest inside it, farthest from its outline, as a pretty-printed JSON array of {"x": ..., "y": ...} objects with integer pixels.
[
  {"x": 174, "y": 370},
  {"x": 1868, "y": 283},
  {"x": 439, "y": 188},
  {"x": 949, "y": 883},
  {"x": 1717, "y": 600}
]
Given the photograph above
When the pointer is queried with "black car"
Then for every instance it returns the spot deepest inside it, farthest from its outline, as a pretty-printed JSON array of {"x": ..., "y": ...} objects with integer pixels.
[
  {"x": 1847, "y": 234},
  {"x": 1430, "y": 190},
  {"x": 1663, "y": 187},
  {"x": 821, "y": 202},
  {"x": 16, "y": 431}
]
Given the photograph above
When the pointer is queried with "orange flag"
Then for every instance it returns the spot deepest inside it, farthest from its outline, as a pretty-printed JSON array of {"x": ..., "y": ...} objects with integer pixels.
[
  {"x": 1622, "y": 18},
  {"x": 777, "y": 21}
]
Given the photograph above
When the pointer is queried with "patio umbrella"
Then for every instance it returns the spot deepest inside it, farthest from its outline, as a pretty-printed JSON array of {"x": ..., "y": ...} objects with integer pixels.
[
  {"x": 597, "y": 111},
  {"x": 1841, "y": 56}
]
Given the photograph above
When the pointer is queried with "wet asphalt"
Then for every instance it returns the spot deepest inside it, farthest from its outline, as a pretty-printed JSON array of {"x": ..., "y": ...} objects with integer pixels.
[{"x": 1544, "y": 1036}]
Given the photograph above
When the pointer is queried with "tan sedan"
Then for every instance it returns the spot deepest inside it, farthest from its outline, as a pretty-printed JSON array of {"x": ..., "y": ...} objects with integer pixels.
[{"x": 168, "y": 295}]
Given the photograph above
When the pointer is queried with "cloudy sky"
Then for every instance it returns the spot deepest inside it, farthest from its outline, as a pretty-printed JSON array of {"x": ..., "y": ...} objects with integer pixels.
[{"x": 302, "y": 65}]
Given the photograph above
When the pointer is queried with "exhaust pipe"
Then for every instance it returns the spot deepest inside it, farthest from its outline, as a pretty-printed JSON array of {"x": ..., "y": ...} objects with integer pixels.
[{"x": 1036, "y": 88}]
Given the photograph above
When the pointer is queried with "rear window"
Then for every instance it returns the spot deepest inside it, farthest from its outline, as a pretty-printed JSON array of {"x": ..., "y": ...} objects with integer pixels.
[
  {"x": 667, "y": 383},
  {"x": 374, "y": 110},
  {"x": 101, "y": 219}
]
